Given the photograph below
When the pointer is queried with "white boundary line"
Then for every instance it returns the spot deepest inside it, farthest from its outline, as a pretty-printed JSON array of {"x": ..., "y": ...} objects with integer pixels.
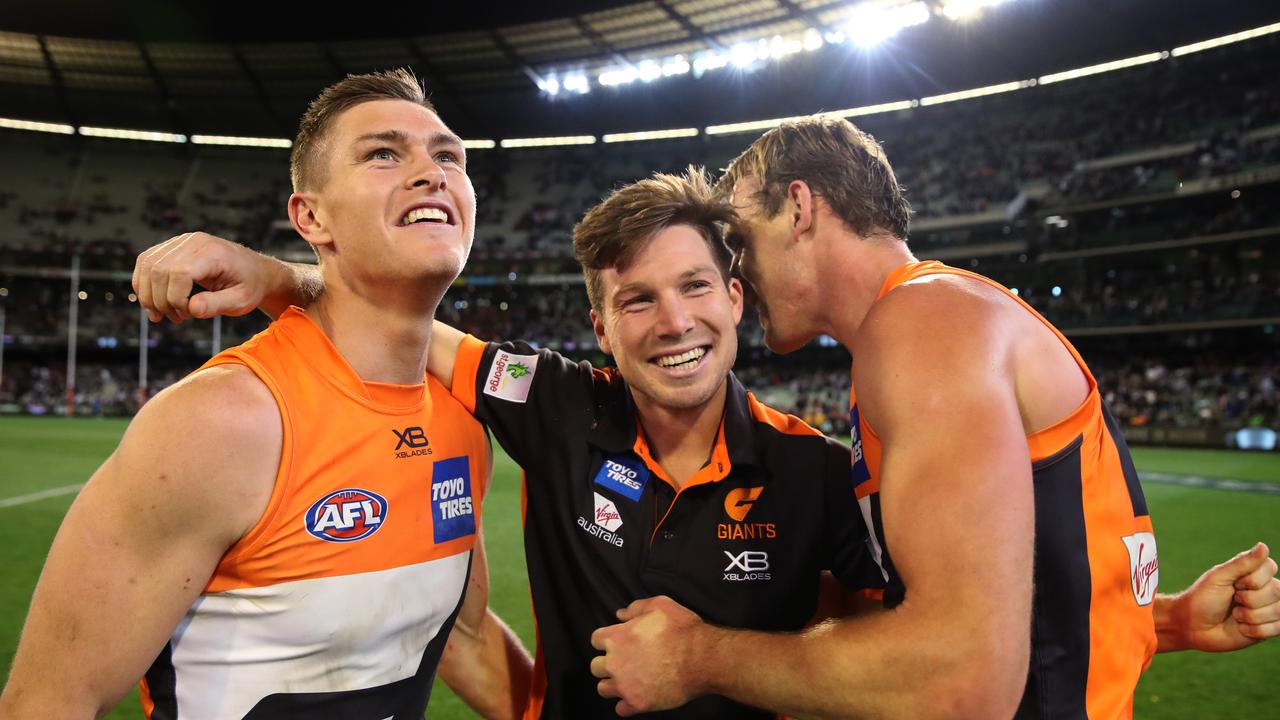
[
  {"x": 1210, "y": 482},
  {"x": 43, "y": 494}
]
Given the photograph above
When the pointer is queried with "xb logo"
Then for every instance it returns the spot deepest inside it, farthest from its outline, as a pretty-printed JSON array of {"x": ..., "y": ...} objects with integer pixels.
[
  {"x": 739, "y": 501},
  {"x": 411, "y": 436},
  {"x": 748, "y": 561}
]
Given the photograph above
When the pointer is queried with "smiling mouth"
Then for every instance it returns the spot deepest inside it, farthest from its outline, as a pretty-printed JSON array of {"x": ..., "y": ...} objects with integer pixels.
[
  {"x": 432, "y": 215},
  {"x": 682, "y": 361}
]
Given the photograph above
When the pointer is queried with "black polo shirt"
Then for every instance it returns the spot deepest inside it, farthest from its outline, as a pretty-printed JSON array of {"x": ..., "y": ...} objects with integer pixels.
[{"x": 742, "y": 544}]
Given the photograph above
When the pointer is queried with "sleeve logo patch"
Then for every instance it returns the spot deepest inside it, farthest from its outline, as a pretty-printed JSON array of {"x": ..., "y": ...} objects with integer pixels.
[
  {"x": 510, "y": 376},
  {"x": 623, "y": 474},
  {"x": 1144, "y": 566},
  {"x": 452, "y": 513}
]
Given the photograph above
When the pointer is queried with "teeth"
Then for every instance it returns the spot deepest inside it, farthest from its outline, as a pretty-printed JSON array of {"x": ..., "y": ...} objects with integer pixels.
[
  {"x": 671, "y": 360},
  {"x": 428, "y": 213}
]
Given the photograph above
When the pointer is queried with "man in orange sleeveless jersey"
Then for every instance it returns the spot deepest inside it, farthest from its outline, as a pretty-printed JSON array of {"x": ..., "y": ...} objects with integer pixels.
[
  {"x": 999, "y": 490},
  {"x": 290, "y": 531}
]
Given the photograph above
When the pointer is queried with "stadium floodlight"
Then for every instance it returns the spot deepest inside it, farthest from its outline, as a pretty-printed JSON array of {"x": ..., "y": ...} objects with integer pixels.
[
  {"x": 870, "y": 25},
  {"x": 812, "y": 40},
  {"x": 780, "y": 47},
  {"x": 1226, "y": 40},
  {"x": 675, "y": 66},
  {"x": 238, "y": 141},
  {"x": 549, "y": 85},
  {"x": 479, "y": 144},
  {"x": 617, "y": 76},
  {"x": 710, "y": 60},
  {"x": 648, "y": 70},
  {"x": 15, "y": 124},
  {"x": 966, "y": 9},
  {"x": 743, "y": 55},
  {"x": 873, "y": 109},
  {"x": 650, "y": 135},
  {"x": 548, "y": 141},
  {"x": 977, "y": 92},
  {"x": 123, "y": 134},
  {"x": 1102, "y": 67},
  {"x": 577, "y": 82}
]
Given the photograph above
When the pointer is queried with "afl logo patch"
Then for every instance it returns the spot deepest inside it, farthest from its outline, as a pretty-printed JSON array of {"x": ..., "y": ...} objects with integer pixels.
[{"x": 347, "y": 515}]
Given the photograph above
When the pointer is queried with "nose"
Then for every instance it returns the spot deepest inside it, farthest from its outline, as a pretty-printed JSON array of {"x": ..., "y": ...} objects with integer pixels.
[
  {"x": 674, "y": 319},
  {"x": 426, "y": 172}
]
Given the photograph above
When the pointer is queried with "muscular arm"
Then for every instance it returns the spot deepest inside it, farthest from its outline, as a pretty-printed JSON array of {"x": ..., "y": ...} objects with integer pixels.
[
  {"x": 957, "y": 504},
  {"x": 484, "y": 662},
  {"x": 238, "y": 280},
  {"x": 191, "y": 476}
]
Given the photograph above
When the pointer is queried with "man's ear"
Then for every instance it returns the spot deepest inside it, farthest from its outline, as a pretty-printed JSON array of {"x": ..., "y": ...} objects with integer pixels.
[
  {"x": 800, "y": 207},
  {"x": 597, "y": 326},
  {"x": 307, "y": 221}
]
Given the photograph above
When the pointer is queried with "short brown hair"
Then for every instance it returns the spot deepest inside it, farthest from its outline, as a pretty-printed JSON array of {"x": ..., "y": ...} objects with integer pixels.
[
  {"x": 842, "y": 164},
  {"x": 613, "y": 232},
  {"x": 305, "y": 169}
]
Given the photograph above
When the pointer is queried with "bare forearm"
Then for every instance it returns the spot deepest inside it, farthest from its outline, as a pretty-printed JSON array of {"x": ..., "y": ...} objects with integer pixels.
[
  {"x": 489, "y": 669},
  {"x": 888, "y": 665},
  {"x": 1171, "y": 623},
  {"x": 292, "y": 284}
]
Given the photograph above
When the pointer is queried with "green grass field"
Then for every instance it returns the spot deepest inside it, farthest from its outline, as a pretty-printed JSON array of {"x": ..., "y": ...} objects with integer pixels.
[{"x": 1197, "y": 527}]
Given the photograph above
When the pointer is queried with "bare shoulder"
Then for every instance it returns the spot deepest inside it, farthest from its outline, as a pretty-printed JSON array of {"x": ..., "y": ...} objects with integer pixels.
[
  {"x": 930, "y": 342},
  {"x": 209, "y": 444}
]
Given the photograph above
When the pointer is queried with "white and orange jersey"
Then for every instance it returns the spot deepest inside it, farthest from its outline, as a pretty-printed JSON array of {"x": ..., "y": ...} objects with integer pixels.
[{"x": 338, "y": 602}]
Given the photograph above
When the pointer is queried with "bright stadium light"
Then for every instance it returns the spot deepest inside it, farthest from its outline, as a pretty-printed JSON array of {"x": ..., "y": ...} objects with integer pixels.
[
  {"x": 578, "y": 83},
  {"x": 650, "y": 135},
  {"x": 15, "y": 124},
  {"x": 549, "y": 85},
  {"x": 479, "y": 144},
  {"x": 675, "y": 66},
  {"x": 1102, "y": 67},
  {"x": 966, "y": 9},
  {"x": 873, "y": 109},
  {"x": 780, "y": 47},
  {"x": 812, "y": 39},
  {"x": 237, "y": 141},
  {"x": 1226, "y": 40},
  {"x": 648, "y": 70},
  {"x": 123, "y": 134},
  {"x": 743, "y": 55},
  {"x": 548, "y": 141},
  {"x": 976, "y": 92},
  {"x": 617, "y": 76},
  {"x": 710, "y": 60},
  {"x": 868, "y": 26}
]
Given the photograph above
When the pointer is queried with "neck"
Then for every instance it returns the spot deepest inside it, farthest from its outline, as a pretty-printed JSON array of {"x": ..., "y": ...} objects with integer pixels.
[
  {"x": 681, "y": 439},
  {"x": 383, "y": 340},
  {"x": 853, "y": 273}
]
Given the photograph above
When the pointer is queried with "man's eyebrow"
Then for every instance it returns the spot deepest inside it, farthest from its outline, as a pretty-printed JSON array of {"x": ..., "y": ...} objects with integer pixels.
[
  {"x": 398, "y": 137},
  {"x": 442, "y": 137}
]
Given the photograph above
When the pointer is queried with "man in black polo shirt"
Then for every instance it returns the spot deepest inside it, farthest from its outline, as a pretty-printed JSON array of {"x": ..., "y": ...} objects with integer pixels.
[{"x": 673, "y": 481}]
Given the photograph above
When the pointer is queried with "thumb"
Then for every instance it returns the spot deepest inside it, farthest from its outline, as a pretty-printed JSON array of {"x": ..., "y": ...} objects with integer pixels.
[
  {"x": 217, "y": 302},
  {"x": 1240, "y": 566},
  {"x": 634, "y": 610}
]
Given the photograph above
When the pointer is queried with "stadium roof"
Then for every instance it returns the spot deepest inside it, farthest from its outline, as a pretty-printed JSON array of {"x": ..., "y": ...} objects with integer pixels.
[{"x": 206, "y": 68}]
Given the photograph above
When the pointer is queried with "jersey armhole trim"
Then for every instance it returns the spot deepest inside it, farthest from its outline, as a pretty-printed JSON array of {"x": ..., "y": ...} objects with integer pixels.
[
  {"x": 257, "y": 533},
  {"x": 465, "y": 368}
]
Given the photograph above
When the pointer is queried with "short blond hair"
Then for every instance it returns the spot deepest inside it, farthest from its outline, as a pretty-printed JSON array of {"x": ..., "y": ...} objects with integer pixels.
[
  {"x": 843, "y": 165},
  {"x": 306, "y": 170},
  {"x": 612, "y": 233}
]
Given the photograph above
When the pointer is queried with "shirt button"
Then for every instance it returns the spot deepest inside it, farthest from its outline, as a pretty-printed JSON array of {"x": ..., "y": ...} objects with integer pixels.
[{"x": 668, "y": 535}]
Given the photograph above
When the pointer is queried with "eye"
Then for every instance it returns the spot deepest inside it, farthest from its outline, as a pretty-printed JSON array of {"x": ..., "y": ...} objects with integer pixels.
[
  {"x": 448, "y": 156},
  {"x": 635, "y": 302},
  {"x": 382, "y": 154},
  {"x": 697, "y": 285}
]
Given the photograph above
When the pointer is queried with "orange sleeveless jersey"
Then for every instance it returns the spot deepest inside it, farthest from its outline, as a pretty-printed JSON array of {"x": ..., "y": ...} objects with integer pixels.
[
  {"x": 338, "y": 602},
  {"x": 1096, "y": 569}
]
